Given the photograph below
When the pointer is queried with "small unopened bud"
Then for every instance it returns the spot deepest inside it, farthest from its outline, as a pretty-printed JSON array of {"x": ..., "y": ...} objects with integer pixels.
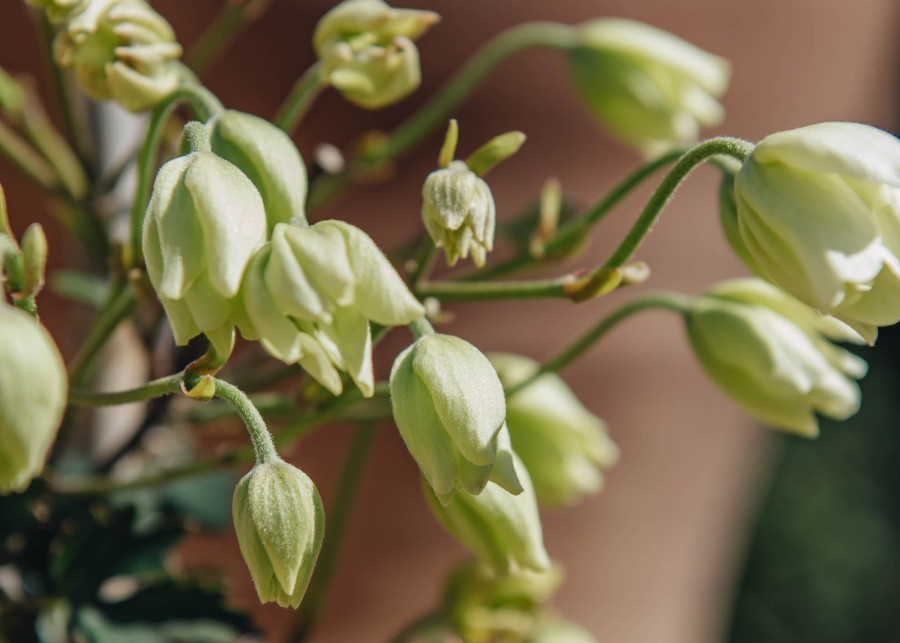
[
  {"x": 495, "y": 151},
  {"x": 34, "y": 260}
]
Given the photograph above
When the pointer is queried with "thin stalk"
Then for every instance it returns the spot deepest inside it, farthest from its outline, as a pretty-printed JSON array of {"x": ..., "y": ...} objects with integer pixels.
[
  {"x": 151, "y": 390},
  {"x": 311, "y": 606},
  {"x": 668, "y": 300},
  {"x": 27, "y": 159},
  {"x": 424, "y": 262},
  {"x": 494, "y": 290},
  {"x": 303, "y": 94},
  {"x": 230, "y": 21},
  {"x": 263, "y": 446}
]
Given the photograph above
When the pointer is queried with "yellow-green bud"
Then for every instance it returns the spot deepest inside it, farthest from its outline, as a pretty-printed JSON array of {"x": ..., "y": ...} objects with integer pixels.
[
  {"x": 204, "y": 221},
  {"x": 502, "y": 529},
  {"x": 367, "y": 51},
  {"x": 57, "y": 10},
  {"x": 450, "y": 409},
  {"x": 651, "y": 89},
  {"x": 771, "y": 354},
  {"x": 268, "y": 157},
  {"x": 121, "y": 50},
  {"x": 459, "y": 213},
  {"x": 309, "y": 296},
  {"x": 33, "y": 389},
  {"x": 818, "y": 209},
  {"x": 280, "y": 523},
  {"x": 564, "y": 447}
]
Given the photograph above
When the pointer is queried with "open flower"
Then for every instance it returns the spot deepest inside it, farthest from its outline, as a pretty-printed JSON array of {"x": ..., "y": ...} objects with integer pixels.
[{"x": 818, "y": 210}]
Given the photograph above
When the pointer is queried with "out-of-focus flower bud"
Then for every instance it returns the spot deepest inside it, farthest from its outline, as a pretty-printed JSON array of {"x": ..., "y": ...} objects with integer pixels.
[
  {"x": 57, "y": 10},
  {"x": 818, "y": 210},
  {"x": 502, "y": 529},
  {"x": 280, "y": 523},
  {"x": 449, "y": 406},
  {"x": 771, "y": 355},
  {"x": 121, "y": 50},
  {"x": 204, "y": 221},
  {"x": 33, "y": 389},
  {"x": 651, "y": 89},
  {"x": 268, "y": 157},
  {"x": 367, "y": 51},
  {"x": 563, "y": 446},
  {"x": 554, "y": 630},
  {"x": 309, "y": 296}
]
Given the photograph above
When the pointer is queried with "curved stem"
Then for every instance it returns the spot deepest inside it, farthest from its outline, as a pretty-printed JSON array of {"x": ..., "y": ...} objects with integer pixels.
[
  {"x": 263, "y": 446},
  {"x": 27, "y": 159},
  {"x": 204, "y": 104},
  {"x": 230, "y": 21},
  {"x": 494, "y": 290},
  {"x": 303, "y": 94},
  {"x": 153, "y": 389},
  {"x": 722, "y": 145},
  {"x": 343, "y": 501},
  {"x": 669, "y": 300}
]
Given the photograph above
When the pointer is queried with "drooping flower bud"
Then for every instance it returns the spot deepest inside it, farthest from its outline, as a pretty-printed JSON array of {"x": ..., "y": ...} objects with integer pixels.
[
  {"x": 818, "y": 210},
  {"x": 367, "y": 51},
  {"x": 204, "y": 221},
  {"x": 651, "y": 89},
  {"x": 268, "y": 157},
  {"x": 33, "y": 389},
  {"x": 121, "y": 50},
  {"x": 502, "y": 529},
  {"x": 57, "y": 10},
  {"x": 309, "y": 296},
  {"x": 450, "y": 409},
  {"x": 771, "y": 355},
  {"x": 280, "y": 524},
  {"x": 564, "y": 447}
]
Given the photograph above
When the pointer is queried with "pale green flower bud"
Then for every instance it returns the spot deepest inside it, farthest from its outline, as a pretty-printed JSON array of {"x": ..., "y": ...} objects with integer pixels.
[
  {"x": 770, "y": 354},
  {"x": 818, "y": 210},
  {"x": 459, "y": 213},
  {"x": 450, "y": 409},
  {"x": 309, "y": 296},
  {"x": 502, "y": 529},
  {"x": 204, "y": 221},
  {"x": 564, "y": 447},
  {"x": 268, "y": 157},
  {"x": 121, "y": 50},
  {"x": 559, "y": 631},
  {"x": 367, "y": 51},
  {"x": 651, "y": 89},
  {"x": 57, "y": 10},
  {"x": 33, "y": 389},
  {"x": 280, "y": 524}
]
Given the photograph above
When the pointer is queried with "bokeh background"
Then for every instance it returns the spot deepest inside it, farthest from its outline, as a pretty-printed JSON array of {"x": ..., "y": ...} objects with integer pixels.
[{"x": 710, "y": 528}]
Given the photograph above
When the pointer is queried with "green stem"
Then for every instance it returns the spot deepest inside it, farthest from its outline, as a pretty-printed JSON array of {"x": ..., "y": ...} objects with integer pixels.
[
  {"x": 493, "y": 290},
  {"x": 668, "y": 300},
  {"x": 312, "y": 603},
  {"x": 230, "y": 21},
  {"x": 204, "y": 105},
  {"x": 420, "y": 328},
  {"x": 424, "y": 262},
  {"x": 27, "y": 159},
  {"x": 303, "y": 94},
  {"x": 153, "y": 389},
  {"x": 263, "y": 446},
  {"x": 722, "y": 145}
]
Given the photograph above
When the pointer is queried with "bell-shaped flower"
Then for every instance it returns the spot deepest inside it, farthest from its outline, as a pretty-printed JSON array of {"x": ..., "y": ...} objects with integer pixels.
[
  {"x": 33, "y": 389},
  {"x": 450, "y": 409},
  {"x": 818, "y": 210},
  {"x": 121, "y": 50},
  {"x": 564, "y": 447},
  {"x": 280, "y": 523},
  {"x": 203, "y": 223},
  {"x": 650, "y": 88},
  {"x": 503, "y": 530},
  {"x": 367, "y": 52},
  {"x": 771, "y": 355},
  {"x": 309, "y": 296},
  {"x": 268, "y": 157}
]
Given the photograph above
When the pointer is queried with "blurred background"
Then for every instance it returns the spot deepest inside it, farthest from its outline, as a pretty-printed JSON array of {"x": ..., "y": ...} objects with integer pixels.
[{"x": 710, "y": 528}]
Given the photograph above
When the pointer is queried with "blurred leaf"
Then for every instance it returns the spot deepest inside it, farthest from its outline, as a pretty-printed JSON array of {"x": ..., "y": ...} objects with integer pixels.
[{"x": 96, "y": 628}]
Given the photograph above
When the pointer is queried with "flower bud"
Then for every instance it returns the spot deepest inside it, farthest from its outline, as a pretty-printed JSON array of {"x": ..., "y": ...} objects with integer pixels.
[
  {"x": 818, "y": 210},
  {"x": 367, "y": 51},
  {"x": 309, "y": 296},
  {"x": 450, "y": 409},
  {"x": 459, "y": 213},
  {"x": 563, "y": 446},
  {"x": 651, "y": 89},
  {"x": 204, "y": 221},
  {"x": 502, "y": 529},
  {"x": 268, "y": 157},
  {"x": 121, "y": 50},
  {"x": 33, "y": 389},
  {"x": 771, "y": 355},
  {"x": 280, "y": 523},
  {"x": 560, "y": 631}
]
